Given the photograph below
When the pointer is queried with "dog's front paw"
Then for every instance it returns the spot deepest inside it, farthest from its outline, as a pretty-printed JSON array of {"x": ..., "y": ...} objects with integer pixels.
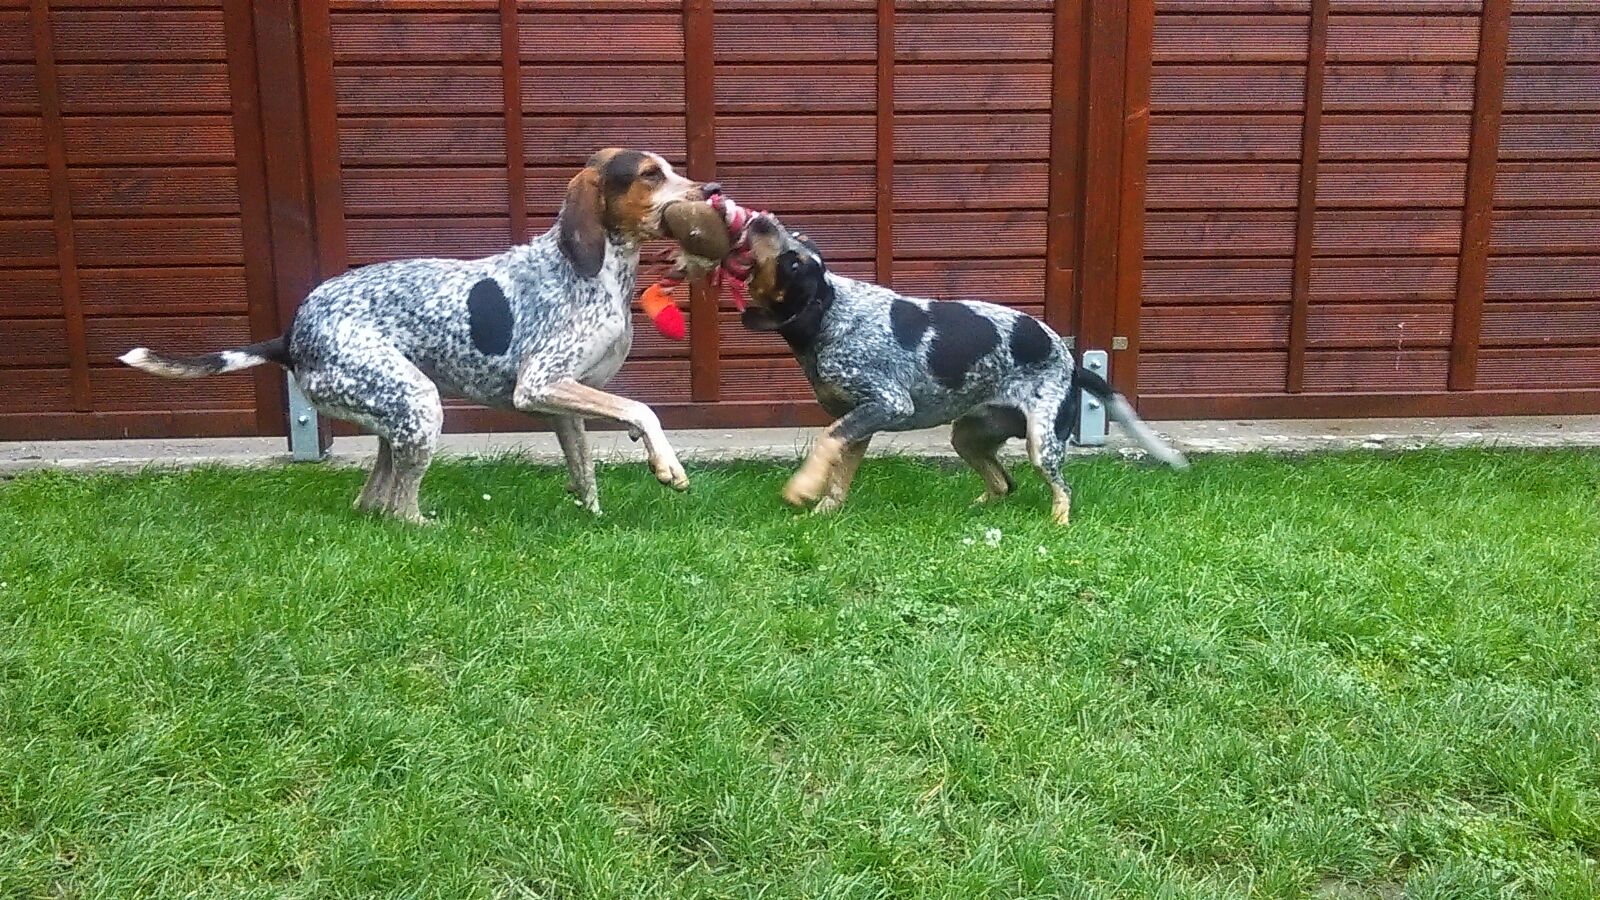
[
  {"x": 670, "y": 472},
  {"x": 802, "y": 490}
]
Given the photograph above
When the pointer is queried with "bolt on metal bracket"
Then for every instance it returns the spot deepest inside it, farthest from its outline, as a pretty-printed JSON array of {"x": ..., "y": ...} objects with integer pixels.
[
  {"x": 1091, "y": 412},
  {"x": 305, "y": 444}
]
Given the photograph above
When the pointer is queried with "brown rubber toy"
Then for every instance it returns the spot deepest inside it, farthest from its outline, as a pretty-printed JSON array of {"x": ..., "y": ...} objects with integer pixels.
[{"x": 702, "y": 233}]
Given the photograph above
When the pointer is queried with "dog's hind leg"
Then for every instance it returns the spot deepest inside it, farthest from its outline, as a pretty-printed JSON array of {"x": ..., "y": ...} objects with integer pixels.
[
  {"x": 377, "y": 388},
  {"x": 858, "y": 425},
  {"x": 843, "y": 473},
  {"x": 375, "y": 495},
  {"x": 580, "y": 467},
  {"x": 978, "y": 436},
  {"x": 1047, "y": 449}
]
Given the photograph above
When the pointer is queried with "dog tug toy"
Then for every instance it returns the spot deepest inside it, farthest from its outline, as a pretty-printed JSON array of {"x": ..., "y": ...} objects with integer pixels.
[{"x": 712, "y": 241}]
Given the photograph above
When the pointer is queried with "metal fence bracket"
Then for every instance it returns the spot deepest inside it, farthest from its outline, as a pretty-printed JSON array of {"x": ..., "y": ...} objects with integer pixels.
[
  {"x": 305, "y": 444},
  {"x": 1091, "y": 412}
]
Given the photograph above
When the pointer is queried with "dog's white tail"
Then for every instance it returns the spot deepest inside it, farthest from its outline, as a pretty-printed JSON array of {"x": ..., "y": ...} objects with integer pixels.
[
  {"x": 1122, "y": 413},
  {"x": 219, "y": 363}
]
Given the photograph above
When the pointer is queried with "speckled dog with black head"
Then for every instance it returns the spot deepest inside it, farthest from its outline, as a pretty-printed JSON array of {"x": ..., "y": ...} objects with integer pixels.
[
  {"x": 539, "y": 328},
  {"x": 880, "y": 361}
]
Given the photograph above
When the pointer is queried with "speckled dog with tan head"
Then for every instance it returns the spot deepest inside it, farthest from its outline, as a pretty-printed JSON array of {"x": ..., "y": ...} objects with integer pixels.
[
  {"x": 539, "y": 328},
  {"x": 879, "y": 361}
]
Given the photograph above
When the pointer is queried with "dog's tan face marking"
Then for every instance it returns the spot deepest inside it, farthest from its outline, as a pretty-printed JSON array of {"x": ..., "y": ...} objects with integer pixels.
[{"x": 638, "y": 186}]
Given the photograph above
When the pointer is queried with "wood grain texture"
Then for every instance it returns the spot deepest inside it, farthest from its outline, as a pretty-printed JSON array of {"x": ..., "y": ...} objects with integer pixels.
[
  {"x": 1305, "y": 235},
  {"x": 1478, "y": 214},
  {"x": 886, "y": 78},
  {"x": 55, "y": 138},
  {"x": 700, "y": 78}
]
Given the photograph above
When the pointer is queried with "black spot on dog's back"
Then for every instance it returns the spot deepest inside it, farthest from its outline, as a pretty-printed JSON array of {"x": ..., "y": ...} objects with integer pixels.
[
  {"x": 1030, "y": 344},
  {"x": 489, "y": 317},
  {"x": 908, "y": 321},
  {"x": 961, "y": 337}
]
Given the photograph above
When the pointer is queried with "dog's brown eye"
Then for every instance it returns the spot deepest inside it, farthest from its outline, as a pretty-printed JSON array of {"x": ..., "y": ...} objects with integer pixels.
[{"x": 654, "y": 176}]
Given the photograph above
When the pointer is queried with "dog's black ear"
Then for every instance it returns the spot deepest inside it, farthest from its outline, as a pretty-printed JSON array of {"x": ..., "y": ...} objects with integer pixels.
[
  {"x": 757, "y": 318},
  {"x": 583, "y": 233}
]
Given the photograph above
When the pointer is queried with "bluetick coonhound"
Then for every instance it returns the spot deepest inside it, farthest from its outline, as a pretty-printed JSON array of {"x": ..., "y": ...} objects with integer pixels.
[
  {"x": 879, "y": 361},
  {"x": 539, "y": 328}
]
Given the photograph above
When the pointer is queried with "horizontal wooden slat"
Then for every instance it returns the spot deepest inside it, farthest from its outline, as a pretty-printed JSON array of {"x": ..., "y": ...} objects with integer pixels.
[
  {"x": 1008, "y": 87},
  {"x": 1222, "y": 186},
  {"x": 967, "y": 234},
  {"x": 16, "y": 35},
  {"x": 30, "y": 292},
  {"x": 1390, "y": 326},
  {"x": 953, "y": 137},
  {"x": 121, "y": 388},
  {"x": 602, "y": 90},
  {"x": 1402, "y": 39},
  {"x": 1013, "y": 282},
  {"x": 1232, "y": 6},
  {"x": 1356, "y": 371},
  {"x": 1542, "y": 278},
  {"x": 1523, "y": 184},
  {"x": 653, "y": 381},
  {"x": 34, "y": 343},
  {"x": 753, "y": 139},
  {"x": 1398, "y": 87},
  {"x": 1217, "y": 281},
  {"x": 1532, "y": 324},
  {"x": 601, "y": 36},
  {"x": 110, "y": 337},
  {"x": 840, "y": 236},
  {"x": 1229, "y": 88},
  {"x": 151, "y": 289},
  {"x": 421, "y": 141},
  {"x": 970, "y": 186},
  {"x": 807, "y": 187},
  {"x": 1545, "y": 39},
  {"x": 416, "y": 90},
  {"x": 1259, "y": 327},
  {"x": 570, "y": 141},
  {"x": 144, "y": 88},
  {"x": 1563, "y": 231},
  {"x": 1378, "y": 185},
  {"x": 21, "y": 141},
  {"x": 1419, "y": 279},
  {"x": 82, "y": 35},
  {"x": 823, "y": 88},
  {"x": 193, "y": 190},
  {"x": 780, "y": 36},
  {"x": 34, "y": 390},
  {"x": 1407, "y": 232},
  {"x": 1212, "y": 373},
  {"x": 375, "y": 240},
  {"x": 381, "y": 35},
  {"x": 19, "y": 92},
  {"x": 1565, "y": 369},
  {"x": 156, "y": 242},
  {"x": 163, "y": 140},
  {"x": 24, "y": 193},
  {"x": 1224, "y": 137},
  {"x": 1394, "y": 137},
  {"x": 1573, "y": 88},
  {"x": 963, "y": 37},
  {"x": 1222, "y": 233},
  {"x": 400, "y": 192},
  {"x": 27, "y": 243},
  {"x": 764, "y": 379},
  {"x": 1550, "y": 136},
  {"x": 1214, "y": 38}
]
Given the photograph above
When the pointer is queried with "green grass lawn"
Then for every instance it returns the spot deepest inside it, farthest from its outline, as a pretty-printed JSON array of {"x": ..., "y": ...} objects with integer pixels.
[{"x": 1341, "y": 676}]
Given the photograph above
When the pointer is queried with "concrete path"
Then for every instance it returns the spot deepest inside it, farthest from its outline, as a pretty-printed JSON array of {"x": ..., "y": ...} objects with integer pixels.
[{"x": 1287, "y": 436}]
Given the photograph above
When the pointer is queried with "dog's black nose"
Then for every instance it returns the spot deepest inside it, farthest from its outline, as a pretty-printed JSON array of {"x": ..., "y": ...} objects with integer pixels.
[{"x": 711, "y": 189}]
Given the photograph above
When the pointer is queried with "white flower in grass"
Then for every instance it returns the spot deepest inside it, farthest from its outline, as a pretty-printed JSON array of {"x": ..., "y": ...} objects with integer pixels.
[
  {"x": 967, "y": 541},
  {"x": 1043, "y": 550},
  {"x": 486, "y": 496},
  {"x": 992, "y": 537}
]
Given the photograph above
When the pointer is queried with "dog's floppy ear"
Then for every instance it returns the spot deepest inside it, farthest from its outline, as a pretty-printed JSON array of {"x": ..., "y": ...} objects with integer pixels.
[{"x": 583, "y": 233}]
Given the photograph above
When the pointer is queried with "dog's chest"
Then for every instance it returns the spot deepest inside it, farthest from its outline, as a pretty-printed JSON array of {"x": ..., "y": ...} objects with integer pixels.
[{"x": 608, "y": 335}]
